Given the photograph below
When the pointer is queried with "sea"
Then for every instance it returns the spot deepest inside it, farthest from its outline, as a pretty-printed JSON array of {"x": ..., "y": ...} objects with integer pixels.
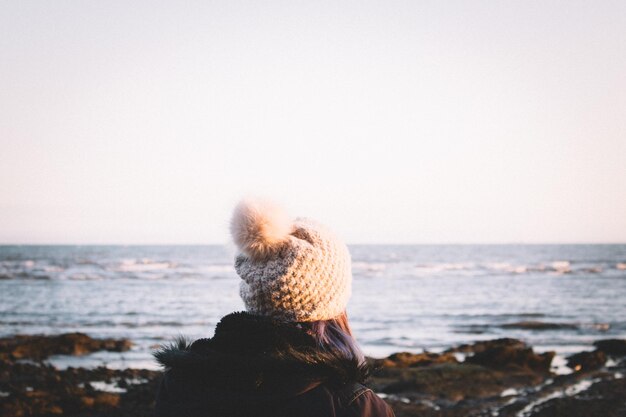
[{"x": 405, "y": 297}]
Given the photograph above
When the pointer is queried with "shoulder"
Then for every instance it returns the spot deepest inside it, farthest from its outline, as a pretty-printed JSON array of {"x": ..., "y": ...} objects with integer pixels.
[{"x": 361, "y": 401}]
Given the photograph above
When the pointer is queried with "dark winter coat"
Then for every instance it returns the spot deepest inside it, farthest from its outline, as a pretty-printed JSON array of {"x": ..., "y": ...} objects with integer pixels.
[{"x": 256, "y": 367}]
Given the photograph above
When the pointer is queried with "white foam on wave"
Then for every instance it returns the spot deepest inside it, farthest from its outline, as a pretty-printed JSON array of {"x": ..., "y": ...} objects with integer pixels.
[
  {"x": 561, "y": 267},
  {"x": 106, "y": 387},
  {"x": 443, "y": 267},
  {"x": 559, "y": 365},
  {"x": 81, "y": 273},
  {"x": 558, "y": 267},
  {"x": 508, "y": 392},
  {"x": 146, "y": 267},
  {"x": 53, "y": 268},
  {"x": 507, "y": 267},
  {"x": 142, "y": 265}
]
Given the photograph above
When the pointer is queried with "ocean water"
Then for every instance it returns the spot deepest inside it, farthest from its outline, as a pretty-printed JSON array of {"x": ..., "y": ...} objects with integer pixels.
[{"x": 405, "y": 298}]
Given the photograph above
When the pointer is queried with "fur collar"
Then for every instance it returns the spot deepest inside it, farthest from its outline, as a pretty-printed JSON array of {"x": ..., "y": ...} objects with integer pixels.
[{"x": 252, "y": 352}]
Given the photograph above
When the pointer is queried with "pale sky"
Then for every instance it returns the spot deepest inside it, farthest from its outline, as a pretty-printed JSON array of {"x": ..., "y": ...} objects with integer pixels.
[{"x": 390, "y": 121}]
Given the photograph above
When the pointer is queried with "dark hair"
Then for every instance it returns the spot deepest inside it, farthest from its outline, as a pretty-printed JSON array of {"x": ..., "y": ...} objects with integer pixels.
[{"x": 335, "y": 335}]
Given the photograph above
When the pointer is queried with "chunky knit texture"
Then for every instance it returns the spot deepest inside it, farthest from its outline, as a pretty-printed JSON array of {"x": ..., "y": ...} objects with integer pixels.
[{"x": 302, "y": 276}]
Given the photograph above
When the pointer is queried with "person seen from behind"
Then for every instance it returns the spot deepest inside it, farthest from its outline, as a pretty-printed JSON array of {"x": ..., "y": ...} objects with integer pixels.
[{"x": 292, "y": 352}]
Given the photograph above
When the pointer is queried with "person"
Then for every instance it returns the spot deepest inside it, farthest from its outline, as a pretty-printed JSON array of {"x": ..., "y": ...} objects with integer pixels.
[{"x": 292, "y": 352}]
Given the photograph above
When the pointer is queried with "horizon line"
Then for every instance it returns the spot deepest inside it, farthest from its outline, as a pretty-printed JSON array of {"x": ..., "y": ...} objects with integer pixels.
[{"x": 349, "y": 244}]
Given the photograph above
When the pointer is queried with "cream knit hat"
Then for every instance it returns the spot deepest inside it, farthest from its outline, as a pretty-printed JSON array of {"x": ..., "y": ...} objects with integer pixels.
[{"x": 295, "y": 270}]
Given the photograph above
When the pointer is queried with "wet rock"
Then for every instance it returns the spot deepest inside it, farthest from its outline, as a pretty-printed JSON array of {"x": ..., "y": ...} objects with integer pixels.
[
  {"x": 426, "y": 384},
  {"x": 40, "y": 347},
  {"x": 488, "y": 344},
  {"x": 613, "y": 347},
  {"x": 605, "y": 398},
  {"x": 512, "y": 355},
  {"x": 406, "y": 409},
  {"x": 452, "y": 382},
  {"x": 587, "y": 361},
  {"x": 106, "y": 400},
  {"x": 406, "y": 359},
  {"x": 41, "y": 390},
  {"x": 539, "y": 325}
]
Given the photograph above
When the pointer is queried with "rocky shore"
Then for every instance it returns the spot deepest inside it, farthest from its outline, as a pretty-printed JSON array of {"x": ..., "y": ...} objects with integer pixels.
[{"x": 502, "y": 377}]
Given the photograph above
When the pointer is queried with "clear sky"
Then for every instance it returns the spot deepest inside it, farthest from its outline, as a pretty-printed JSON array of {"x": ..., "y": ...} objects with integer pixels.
[{"x": 391, "y": 121}]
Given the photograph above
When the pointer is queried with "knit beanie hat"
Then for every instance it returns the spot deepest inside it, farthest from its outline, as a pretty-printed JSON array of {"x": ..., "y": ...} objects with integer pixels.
[{"x": 291, "y": 269}]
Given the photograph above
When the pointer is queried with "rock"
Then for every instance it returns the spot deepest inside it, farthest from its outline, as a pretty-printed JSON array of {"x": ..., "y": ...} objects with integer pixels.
[
  {"x": 42, "y": 390},
  {"x": 539, "y": 325},
  {"x": 510, "y": 355},
  {"x": 87, "y": 402},
  {"x": 613, "y": 347},
  {"x": 587, "y": 361},
  {"x": 605, "y": 398},
  {"x": 106, "y": 400},
  {"x": 41, "y": 347},
  {"x": 406, "y": 359},
  {"x": 488, "y": 344},
  {"x": 425, "y": 384},
  {"x": 404, "y": 409},
  {"x": 450, "y": 381},
  {"x": 56, "y": 410}
]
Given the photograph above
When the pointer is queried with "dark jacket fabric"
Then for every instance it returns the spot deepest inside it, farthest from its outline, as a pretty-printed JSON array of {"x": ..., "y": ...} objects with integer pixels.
[{"x": 260, "y": 367}]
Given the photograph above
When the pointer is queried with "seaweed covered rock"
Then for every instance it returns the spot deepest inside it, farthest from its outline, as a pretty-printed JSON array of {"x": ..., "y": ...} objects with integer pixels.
[
  {"x": 411, "y": 360},
  {"x": 40, "y": 347},
  {"x": 488, "y": 344},
  {"x": 453, "y": 382},
  {"x": 501, "y": 355},
  {"x": 604, "y": 398},
  {"x": 587, "y": 361},
  {"x": 612, "y": 347},
  {"x": 42, "y": 390}
]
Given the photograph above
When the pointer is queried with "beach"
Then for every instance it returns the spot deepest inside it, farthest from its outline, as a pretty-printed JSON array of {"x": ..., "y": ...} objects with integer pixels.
[
  {"x": 503, "y": 377},
  {"x": 438, "y": 187}
]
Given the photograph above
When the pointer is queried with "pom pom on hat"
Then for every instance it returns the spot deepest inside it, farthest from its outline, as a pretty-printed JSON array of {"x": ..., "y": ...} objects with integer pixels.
[{"x": 259, "y": 228}]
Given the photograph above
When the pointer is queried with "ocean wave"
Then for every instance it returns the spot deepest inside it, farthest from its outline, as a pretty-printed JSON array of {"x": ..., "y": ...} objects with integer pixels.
[
  {"x": 557, "y": 267},
  {"x": 217, "y": 268},
  {"x": 157, "y": 323},
  {"x": 163, "y": 267},
  {"x": 534, "y": 326},
  {"x": 23, "y": 275},
  {"x": 143, "y": 265},
  {"x": 369, "y": 266},
  {"x": 79, "y": 276},
  {"x": 494, "y": 316},
  {"x": 444, "y": 267}
]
